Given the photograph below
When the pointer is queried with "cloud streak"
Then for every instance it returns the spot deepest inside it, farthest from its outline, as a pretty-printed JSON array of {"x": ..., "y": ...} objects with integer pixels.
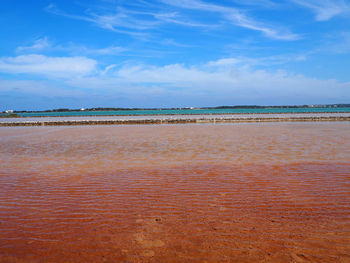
[
  {"x": 57, "y": 67},
  {"x": 103, "y": 21},
  {"x": 235, "y": 16},
  {"x": 325, "y": 9},
  {"x": 38, "y": 45},
  {"x": 43, "y": 45},
  {"x": 137, "y": 23},
  {"x": 129, "y": 22}
]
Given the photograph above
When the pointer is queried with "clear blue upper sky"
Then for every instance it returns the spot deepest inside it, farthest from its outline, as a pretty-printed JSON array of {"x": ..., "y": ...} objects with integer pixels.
[{"x": 173, "y": 53}]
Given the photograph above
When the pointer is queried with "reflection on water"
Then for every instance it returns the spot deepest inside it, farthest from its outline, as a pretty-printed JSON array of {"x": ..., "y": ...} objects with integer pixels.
[{"x": 182, "y": 193}]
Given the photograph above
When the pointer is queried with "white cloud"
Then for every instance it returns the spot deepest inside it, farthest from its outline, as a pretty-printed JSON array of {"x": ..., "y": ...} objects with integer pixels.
[
  {"x": 274, "y": 33},
  {"x": 337, "y": 43},
  {"x": 135, "y": 23},
  {"x": 325, "y": 9},
  {"x": 39, "y": 44},
  {"x": 172, "y": 42},
  {"x": 263, "y": 3},
  {"x": 124, "y": 21},
  {"x": 247, "y": 62},
  {"x": 175, "y": 18},
  {"x": 342, "y": 45},
  {"x": 170, "y": 74},
  {"x": 225, "y": 62},
  {"x": 105, "y": 21},
  {"x": 48, "y": 66},
  {"x": 235, "y": 16},
  {"x": 225, "y": 81},
  {"x": 44, "y": 45},
  {"x": 111, "y": 50}
]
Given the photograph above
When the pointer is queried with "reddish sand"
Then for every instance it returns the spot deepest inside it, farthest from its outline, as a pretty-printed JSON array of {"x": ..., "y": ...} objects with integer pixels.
[{"x": 181, "y": 193}]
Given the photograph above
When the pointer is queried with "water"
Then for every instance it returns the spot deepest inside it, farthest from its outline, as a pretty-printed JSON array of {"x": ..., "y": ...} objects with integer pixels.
[
  {"x": 184, "y": 111},
  {"x": 176, "y": 193}
]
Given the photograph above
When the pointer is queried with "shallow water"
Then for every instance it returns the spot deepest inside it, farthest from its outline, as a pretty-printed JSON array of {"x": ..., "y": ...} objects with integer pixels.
[
  {"x": 185, "y": 111},
  {"x": 176, "y": 193}
]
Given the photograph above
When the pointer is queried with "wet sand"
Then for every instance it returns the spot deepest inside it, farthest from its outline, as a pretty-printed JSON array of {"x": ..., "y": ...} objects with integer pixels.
[{"x": 176, "y": 193}]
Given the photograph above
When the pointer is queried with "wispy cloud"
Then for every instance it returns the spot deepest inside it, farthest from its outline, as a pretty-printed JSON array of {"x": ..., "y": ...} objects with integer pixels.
[
  {"x": 263, "y": 3},
  {"x": 121, "y": 18},
  {"x": 38, "y": 45},
  {"x": 126, "y": 21},
  {"x": 272, "y": 32},
  {"x": 108, "y": 21},
  {"x": 175, "y": 18},
  {"x": 161, "y": 16},
  {"x": 249, "y": 62},
  {"x": 138, "y": 23},
  {"x": 325, "y": 9},
  {"x": 43, "y": 45},
  {"x": 60, "y": 67},
  {"x": 111, "y": 50},
  {"x": 172, "y": 42},
  {"x": 343, "y": 45},
  {"x": 234, "y": 16},
  {"x": 338, "y": 43}
]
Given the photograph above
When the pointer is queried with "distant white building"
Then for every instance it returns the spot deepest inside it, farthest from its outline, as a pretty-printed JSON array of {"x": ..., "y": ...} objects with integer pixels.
[
  {"x": 82, "y": 109},
  {"x": 9, "y": 111}
]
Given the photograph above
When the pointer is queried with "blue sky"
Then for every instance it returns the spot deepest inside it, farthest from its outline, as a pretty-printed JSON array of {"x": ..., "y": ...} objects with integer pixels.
[{"x": 173, "y": 53}]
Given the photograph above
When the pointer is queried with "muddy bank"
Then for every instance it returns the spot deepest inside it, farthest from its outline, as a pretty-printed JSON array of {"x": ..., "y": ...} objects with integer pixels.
[
  {"x": 262, "y": 192},
  {"x": 171, "y": 121}
]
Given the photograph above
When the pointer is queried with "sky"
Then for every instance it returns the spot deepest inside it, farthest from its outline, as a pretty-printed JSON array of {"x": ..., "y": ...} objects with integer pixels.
[{"x": 173, "y": 53}]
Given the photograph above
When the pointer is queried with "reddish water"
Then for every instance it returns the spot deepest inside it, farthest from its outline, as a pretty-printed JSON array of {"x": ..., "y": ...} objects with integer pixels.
[{"x": 182, "y": 193}]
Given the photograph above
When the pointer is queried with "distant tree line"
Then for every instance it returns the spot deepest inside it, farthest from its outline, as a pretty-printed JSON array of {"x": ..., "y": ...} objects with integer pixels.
[{"x": 188, "y": 108}]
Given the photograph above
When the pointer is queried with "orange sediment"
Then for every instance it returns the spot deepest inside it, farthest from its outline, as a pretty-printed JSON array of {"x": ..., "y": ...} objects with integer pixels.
[{"x": 183, "y": 193}]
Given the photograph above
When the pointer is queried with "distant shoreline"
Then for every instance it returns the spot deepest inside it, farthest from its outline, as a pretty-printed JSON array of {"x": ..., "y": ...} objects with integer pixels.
[
  {"x": 170, "y": 114},
  {"x": 237, "y": 107}
]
